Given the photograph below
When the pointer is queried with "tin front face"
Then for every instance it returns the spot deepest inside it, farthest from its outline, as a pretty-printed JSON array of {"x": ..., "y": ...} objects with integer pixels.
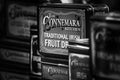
[
  {"x": 59, "y": 25},
  {"x": 12, "y": 76},
  {"x": 54, "y": 72},
  {"x": 79, "y": 67},
  {"x": 14, "y": 55},
  {"x": 105, "y": 48},
  {"x": 19, "y": 19}
]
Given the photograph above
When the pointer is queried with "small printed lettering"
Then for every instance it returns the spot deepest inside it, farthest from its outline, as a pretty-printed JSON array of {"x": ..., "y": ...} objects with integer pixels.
[
  {"x": 56, "y": 36},
  {"x": 56, "y": 43}
]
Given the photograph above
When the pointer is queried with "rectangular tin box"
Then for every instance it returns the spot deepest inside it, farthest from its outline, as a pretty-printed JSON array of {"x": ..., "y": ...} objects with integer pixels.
[
  {"x": 20, "y": 15},
  {"x": 79, "y": 61},
  {"x": 61, "y": 23}
]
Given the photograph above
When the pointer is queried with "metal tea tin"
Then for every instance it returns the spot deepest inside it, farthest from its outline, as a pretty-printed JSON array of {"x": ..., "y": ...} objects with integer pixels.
[
  {"x": 15, "y": 51},
  {"x": 20, "y": 15},
  {"x": 54, "y": 68},
  {"x": 14, "y": 54},
  {"x": 79, "y": 68},
  {"x": 15, "y": 58},
  {"x": 61, "y": 23},
  {"x": 105, "y": 46}
]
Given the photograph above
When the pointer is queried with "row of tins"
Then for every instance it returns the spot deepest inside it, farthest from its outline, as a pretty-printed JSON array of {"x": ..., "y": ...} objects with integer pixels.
[
  {"x": 17, "y": 17},
  {"x": 59, "y": 55},
  {"x": 46, "y": 41}
]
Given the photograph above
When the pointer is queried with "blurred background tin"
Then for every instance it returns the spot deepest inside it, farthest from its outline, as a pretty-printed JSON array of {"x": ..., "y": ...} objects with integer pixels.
[
  {"x": 12, "y": 75},
  {"x": 19, "y": 17},
  {"x": 104, "y": 42}
]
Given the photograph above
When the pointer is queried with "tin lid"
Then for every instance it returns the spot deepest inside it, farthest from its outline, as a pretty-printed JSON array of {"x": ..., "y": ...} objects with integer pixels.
[
  {"x": 78, "y": 49},
  {"x": 66, "y": 5},
  {"x": 109, "y": 17},
  {"x": 54, "y": 61},
  {"x": 76, "y": 1},
  {"x": 84, "y": 42},
  {"x": 67, "y": 1},
  {"x": 100, "y": 7}
]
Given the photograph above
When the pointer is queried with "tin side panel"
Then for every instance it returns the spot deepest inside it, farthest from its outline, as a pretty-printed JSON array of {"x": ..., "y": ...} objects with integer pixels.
[{"x": 35, "y": 58}]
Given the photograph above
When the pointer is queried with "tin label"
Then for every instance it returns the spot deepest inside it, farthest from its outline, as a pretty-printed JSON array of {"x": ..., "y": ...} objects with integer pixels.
[
  {"x": 58, "y": 26},
  {"x": 13, "y": 76},
  {"x": 35, "y": 58},
  {"x": 106, "y": 50},
  {"x": 54, "y": 72},
  {"x": 13, "y": 55},
  {"x": 79, "y": 67},
  {"x": 20, "y": 18}
]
